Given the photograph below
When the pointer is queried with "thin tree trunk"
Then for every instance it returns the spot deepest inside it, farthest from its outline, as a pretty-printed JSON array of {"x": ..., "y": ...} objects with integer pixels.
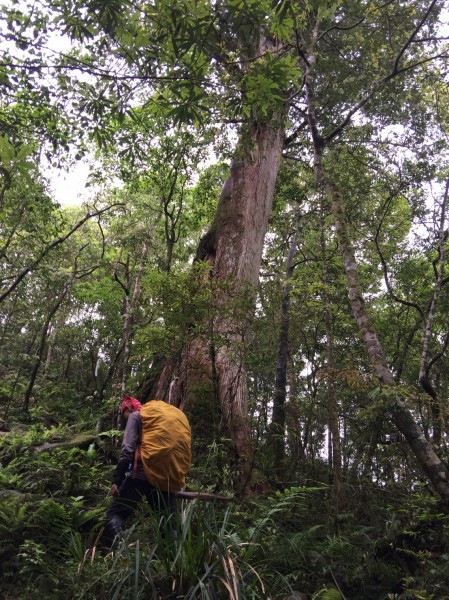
[
  {"x": 53, "y": 329},
  {"x": 293, "y": 416},
  {"x": 425, "y": 321},
  {"x": 426, "y": 456},
  {"x": 7, "y": 319},
  {"x": 101, "y": 388},
  {"x": 277, "y": 430},
  {"x": 332, "y": 404},
  {"x": 426, "y": 363},
  {"x": 130, "y": 306},
  {"x": 50, "y": 348},
  {"x": 173, "y": 212},
  {"x": 41, "y": 348}
]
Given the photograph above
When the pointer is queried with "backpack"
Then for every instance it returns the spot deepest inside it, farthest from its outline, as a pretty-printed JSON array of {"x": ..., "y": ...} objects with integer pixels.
[{"x": 165, "y": 449}]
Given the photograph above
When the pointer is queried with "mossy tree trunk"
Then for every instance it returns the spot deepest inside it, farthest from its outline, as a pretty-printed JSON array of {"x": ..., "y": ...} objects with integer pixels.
[{"x": 211, "y": 372}]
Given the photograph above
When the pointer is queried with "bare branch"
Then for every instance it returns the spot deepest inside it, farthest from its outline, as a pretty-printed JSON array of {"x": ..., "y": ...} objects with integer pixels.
[
  {"x": 289, "y": 139},
  {"x": 122, "y": 285},
  {"x": 395, "y": 68},
  {"x": 52, "y": 245},
  {"x": 405, "y": 349},
  {"x": 385, "y": 267},
  {"x": 371, "y": 91},
  {"x": 431, "y": 39},
  {"x": 342, "y": 27}
]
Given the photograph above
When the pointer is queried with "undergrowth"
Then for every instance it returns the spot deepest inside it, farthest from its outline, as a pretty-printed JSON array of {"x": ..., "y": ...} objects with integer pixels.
[{"x": 386, "y": 544}]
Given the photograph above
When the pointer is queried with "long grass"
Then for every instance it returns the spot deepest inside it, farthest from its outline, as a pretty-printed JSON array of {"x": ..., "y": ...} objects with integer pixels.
[{"x": 195, "y": 556}]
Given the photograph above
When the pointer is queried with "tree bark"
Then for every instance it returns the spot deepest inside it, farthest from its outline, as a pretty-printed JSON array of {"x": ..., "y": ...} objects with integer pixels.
[{"x": 213, "y": 367}]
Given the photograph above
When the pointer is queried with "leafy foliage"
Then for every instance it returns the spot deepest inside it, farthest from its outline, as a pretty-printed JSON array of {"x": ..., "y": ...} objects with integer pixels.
[{"x": 157, "y": 90}]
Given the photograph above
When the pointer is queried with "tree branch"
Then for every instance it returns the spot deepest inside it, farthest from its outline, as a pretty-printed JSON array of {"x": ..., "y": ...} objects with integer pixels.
[
  {"x": 395, "y": 68},
  {"x": 53, "y": 244},
  {"x": 385, "y": 267},
  {"x": 371, "y": 91}
]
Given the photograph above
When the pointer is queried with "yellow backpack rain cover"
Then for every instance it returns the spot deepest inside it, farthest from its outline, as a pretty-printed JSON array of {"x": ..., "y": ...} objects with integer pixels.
[{"x": 165, "y": 450}]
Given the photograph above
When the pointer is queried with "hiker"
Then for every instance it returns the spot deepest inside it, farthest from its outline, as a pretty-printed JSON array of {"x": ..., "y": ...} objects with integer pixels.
[{"x": 154, "y": 458}]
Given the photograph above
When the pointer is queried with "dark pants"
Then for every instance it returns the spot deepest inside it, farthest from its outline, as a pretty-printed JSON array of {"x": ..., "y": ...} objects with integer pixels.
[{"x": 122, "y": 507}]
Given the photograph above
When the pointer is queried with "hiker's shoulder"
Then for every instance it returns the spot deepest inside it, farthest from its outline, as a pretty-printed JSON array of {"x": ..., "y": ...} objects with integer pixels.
[{"x": 133, "y": 420}]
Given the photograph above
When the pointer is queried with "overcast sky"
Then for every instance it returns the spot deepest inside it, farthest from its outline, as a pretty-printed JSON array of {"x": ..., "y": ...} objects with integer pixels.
[{"x": 68, "y": 188}]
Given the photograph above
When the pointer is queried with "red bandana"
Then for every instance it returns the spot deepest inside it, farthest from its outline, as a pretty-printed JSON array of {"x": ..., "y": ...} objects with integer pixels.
[{"x": 130, "y": 403}]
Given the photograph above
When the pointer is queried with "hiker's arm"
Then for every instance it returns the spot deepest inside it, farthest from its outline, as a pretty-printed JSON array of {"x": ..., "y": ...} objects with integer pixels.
[{"x": 130, "y": 441}]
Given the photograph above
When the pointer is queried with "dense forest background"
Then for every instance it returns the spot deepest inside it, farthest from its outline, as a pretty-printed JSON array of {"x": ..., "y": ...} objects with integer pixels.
[{"x": 264, "y": 244}]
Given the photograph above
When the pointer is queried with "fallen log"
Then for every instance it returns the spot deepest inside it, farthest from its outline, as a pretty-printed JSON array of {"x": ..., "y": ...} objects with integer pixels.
[
  {"x": 82, "y": 440},
  {"x": 184, "y": 495}
]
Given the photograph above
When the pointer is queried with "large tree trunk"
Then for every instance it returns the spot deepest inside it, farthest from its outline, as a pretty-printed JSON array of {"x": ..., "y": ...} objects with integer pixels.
[{"x": 212, "y": 367}]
